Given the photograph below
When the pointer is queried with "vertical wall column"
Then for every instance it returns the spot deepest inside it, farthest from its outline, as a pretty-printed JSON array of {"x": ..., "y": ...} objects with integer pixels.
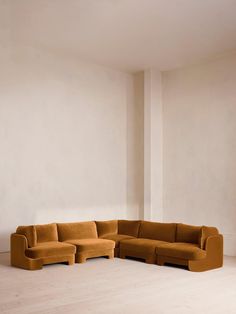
[
  {"x": 135, "y": 148},
  {"x": 153, "y": 142}
]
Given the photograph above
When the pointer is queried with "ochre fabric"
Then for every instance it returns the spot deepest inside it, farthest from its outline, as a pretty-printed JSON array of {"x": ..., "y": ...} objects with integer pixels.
[
  {"x": 107, "y": 227},
  {"x": 213, "y": 259},
  {"x": 188, "y": 234},
  {"x": 77, "y": 230},
  {"x": 19, "y": 244},
  {"x": 69, "y": 259},
  {"x": 187, "y": 251},
  {"x": 92, "y": 244},
  {"x": 50, "y": 249},
  {"x": 116, "y": 238},
  {"x": 198, "y": 248},
  {"x": 145, "y": 246},
  {"x": 207, "y": 232},
  {"x": 214, "y": 255},
  {"x": 129, "y": 227},
  {"x": 82, "y": 256},
  {"x": 30, "y": 233},
  {"x": 157, "y": 231},
  {"x": 46, "y": 233}
]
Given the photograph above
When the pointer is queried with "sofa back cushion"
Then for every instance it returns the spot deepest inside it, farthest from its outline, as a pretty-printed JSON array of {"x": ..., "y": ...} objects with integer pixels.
[
  {"x": 46, "y": 233},
  {"x": 129, "y": 227},
  {"x": 189, "y": 234},
  {"x": 157, "y": 231},
  {"x": 30, "y": 233},
  {"x": 77, "y": 230},
  {"x": 107, "y": 227}
]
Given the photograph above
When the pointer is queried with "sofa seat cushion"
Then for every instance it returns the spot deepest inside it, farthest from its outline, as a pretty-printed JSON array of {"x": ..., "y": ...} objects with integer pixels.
[
  {"x": 188, "y": 251},
  {"x": 116, "y": 238},
  {"x": 144, "y": 246},
  {"x": 92, "y": 244},
  {"x": 52, "y": 248}
]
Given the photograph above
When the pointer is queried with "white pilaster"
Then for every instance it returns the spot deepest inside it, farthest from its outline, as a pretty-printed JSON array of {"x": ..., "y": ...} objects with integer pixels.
[{"x": 153, "y": 142}]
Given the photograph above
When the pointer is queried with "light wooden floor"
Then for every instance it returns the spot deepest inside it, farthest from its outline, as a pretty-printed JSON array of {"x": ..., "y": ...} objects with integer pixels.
[{"x": 116, "y": 286}]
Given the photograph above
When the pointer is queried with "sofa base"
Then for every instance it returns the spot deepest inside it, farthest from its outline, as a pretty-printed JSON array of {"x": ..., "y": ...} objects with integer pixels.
[
  {"x": 150, "y": 259},
  {"x": 82, "y": 256},
  {"x": 69, "y": 259},
  {"x": 195, "y": 266},
  {"x": 116, "y": 252},
  {"x": 162, "y": 260}
]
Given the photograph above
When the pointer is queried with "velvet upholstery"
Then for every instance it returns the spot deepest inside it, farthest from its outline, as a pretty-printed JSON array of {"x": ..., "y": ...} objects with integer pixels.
[
  {"x": 188, "y": 234},
  {"x": 140, "y": 248},
  {"x": 116, "y": 238},
  {"x": 30, "y": 233},
  {"x": 157, "y": 231},
  {"x": 46, "y": 233},
  {"x": 19, "y": 246},
  {"x": 198, "y": 248},
  {"x": 88, "y": 248},
  {"x": 77, "y": 230},
  {"x": 107, "y": 227},
  {"x": 188, "y": 251},
  {"x": 91, "y": 244},
  {"x": 213, "y": 258},
  {"x": 206, "y": 232},
  {"x": 129, "y": 227},
  {"x": 52, "y": 248}
]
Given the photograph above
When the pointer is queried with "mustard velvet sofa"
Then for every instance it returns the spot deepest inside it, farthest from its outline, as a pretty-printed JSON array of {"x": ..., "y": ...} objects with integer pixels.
[{"x": 199, "y": 248}]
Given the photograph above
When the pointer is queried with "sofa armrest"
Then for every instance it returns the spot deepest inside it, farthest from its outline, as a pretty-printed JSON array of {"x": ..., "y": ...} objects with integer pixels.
[
  {"x": 214, "y": 247},
  {"x": 18, "y": 258},
  {"x": 214, "y": 255}
]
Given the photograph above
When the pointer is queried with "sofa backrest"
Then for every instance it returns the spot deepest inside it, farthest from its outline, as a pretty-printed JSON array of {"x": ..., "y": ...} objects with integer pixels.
[
  {"x": 77, "y": 230},
  {"x": 107, "y": 227},
  {"x": 157, "y": 231},
  {"x": 188, "y": 234},
  {"x": 30, "y": 233},
  {"x": 46, "y": 233},
  {"x": 129, "y": 227}
]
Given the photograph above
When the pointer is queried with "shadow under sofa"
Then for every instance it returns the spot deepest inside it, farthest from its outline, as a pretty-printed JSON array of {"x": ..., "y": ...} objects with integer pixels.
[{"x": 199, "y": 248}]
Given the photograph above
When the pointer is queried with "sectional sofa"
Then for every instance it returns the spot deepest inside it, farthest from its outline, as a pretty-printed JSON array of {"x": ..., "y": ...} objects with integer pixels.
[{"x": 199, "y": 248}]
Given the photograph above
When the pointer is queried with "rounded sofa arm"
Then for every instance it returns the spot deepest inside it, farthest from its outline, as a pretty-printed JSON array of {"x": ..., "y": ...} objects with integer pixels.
[
  {"x": 214, "y": 255},
  {"x": 19, "y": 244},
  {"x": 214, "y": 242},
  {"x": 215, "y": 248}
]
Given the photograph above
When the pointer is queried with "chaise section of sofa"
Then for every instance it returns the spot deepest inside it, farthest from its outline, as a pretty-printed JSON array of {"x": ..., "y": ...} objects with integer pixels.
[
  {"x": 117, "y": 230},
  {"x": 151, "y": 236},
  {"x": 199, "y": 248},
  {"x": 34, "y": 246},
  {"x": 83, "y": 235}
]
